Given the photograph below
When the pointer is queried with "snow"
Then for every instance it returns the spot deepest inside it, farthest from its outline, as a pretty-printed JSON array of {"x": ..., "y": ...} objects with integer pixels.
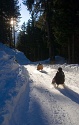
[{"x": 27, "y": 96}]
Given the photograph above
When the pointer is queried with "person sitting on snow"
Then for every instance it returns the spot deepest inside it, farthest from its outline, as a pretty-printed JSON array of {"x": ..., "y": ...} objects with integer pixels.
[
  {"x": 59, "y": 78},
  {"x": 39, "y": 66}
]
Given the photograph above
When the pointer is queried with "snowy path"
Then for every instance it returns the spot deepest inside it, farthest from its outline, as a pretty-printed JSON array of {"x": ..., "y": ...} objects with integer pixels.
[{"x": 42, "y": 104}]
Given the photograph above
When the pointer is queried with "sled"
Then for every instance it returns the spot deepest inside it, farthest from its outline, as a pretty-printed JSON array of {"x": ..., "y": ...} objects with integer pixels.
[{"x": 55, "y": 85}]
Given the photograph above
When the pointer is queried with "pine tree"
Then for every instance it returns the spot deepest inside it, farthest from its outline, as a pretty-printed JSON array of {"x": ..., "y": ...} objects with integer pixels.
[
  {"x": 8, "y": 9},
  {"x": 44, "y": 6}
]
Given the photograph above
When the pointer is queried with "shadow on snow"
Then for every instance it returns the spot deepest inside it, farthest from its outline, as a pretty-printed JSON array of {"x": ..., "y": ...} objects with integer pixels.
[{"x": 70, "y": 94}]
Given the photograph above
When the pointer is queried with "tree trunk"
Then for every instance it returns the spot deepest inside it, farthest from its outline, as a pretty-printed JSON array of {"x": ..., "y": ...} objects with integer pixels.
[
  {"x": 73, "y": 58},
  {"x": 69, "y": 55},
  {"x": 49, "y": 30}
]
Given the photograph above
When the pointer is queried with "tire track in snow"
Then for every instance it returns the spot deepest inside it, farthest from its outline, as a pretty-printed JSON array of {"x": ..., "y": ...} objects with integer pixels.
[
  {"x": 42, "y": 104},
  {"x": 52, "y": 111}
]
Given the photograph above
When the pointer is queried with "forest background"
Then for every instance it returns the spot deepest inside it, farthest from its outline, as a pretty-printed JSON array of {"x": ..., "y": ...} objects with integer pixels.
[{"x": 52, "y": 30}]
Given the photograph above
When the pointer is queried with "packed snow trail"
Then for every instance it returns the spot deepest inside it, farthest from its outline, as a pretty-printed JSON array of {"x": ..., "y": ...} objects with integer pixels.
[{"x": 42, "y": 104}]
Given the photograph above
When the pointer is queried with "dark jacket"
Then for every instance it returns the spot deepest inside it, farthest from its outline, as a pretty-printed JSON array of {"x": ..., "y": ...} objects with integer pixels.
[{"x": 59, "y": 77}]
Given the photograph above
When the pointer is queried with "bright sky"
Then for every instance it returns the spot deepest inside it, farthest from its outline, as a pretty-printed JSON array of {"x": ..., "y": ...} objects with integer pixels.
[{"x": 24, "y": 13}]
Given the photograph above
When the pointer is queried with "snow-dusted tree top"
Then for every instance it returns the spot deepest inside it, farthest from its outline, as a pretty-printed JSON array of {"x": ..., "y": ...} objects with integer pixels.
[{"x": 27, "y": 96}]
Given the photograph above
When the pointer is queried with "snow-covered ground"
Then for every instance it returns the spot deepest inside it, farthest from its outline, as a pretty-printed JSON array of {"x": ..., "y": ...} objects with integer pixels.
[{"x": 27, "y": 96}]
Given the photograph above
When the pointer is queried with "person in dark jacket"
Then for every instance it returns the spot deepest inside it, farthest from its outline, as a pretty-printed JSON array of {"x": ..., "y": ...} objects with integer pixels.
[{"x": 59, "y": 78}]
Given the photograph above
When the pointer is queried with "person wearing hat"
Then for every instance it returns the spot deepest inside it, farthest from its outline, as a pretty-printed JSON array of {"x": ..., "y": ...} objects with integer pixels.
[{"x": 59, "y": 78}]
